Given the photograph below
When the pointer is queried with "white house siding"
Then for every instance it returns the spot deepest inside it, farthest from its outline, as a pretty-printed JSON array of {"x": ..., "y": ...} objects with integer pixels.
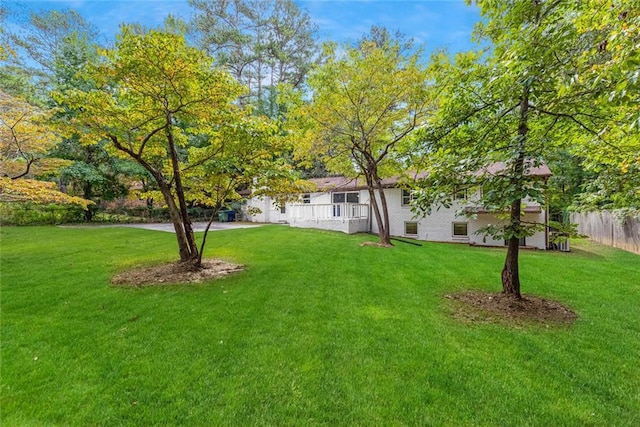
[
  {"x": 437, "y": 227},
  {"x": 269, "y": 211},
  {"x": 538, "y": 240}
]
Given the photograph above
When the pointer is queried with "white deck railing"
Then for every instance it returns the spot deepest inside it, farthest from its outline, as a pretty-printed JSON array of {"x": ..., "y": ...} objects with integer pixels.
[{"x": 330, "y": 211}]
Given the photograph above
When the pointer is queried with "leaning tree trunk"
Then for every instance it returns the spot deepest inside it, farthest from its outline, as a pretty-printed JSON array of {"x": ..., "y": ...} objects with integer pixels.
[
  {"x": 385, "y": 235},
  {"x": 383, "y": 227},
  {"x": 184, "y": 233},
  {"x": 186, "y": 254},
  {"x": 185, "y": 222}
]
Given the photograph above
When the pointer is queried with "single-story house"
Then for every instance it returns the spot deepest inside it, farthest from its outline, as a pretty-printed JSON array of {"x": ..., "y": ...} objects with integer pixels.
[{"x": 342, "y": 204}]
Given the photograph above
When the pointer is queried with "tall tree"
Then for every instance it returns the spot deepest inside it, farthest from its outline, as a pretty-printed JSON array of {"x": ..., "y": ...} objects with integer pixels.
[
  {"x": 156, "y": 96},
  {"x": 93, "y": 172},
  {"x": 364, "y": 105},
  {"x": 509, "y": 107},
  {"x": 610, "y": 67},
  {"x": 38, "y": 40},
  {"x": 263, "y": 43}
]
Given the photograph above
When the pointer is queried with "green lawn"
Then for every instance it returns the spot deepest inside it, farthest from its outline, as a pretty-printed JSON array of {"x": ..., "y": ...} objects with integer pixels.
[{"x": 317, "y": 331}]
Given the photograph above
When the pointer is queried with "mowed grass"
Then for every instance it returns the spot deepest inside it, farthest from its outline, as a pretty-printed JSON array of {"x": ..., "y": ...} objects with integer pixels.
[{"x": 317, "y": 330}]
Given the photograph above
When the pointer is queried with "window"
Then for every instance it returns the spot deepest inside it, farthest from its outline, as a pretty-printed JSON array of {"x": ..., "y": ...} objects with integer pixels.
[
  {"x": 460, "y": 229},
  {"x": 306, "y": 198},
  {"x": 407, "y": 197},
  {"x": 411, "y": 228},
  {"x": 346, "y": 197},
  {"x": 460, "y": 192},
  {"x": 521, "y": 242},
  {"x": 339, "y": 198}
]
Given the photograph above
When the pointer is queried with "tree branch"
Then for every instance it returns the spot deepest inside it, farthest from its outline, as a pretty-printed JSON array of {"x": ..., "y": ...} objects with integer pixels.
[{"x": 579, "y": 123}]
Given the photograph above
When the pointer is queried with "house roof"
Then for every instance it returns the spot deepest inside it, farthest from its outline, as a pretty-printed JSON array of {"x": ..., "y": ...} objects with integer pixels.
[
  {"x": 541, "y": 170},
  {"x": 342, "y": 183},
  {"x": 480, "y": 210},
  {"x": 333, "y": 183}
]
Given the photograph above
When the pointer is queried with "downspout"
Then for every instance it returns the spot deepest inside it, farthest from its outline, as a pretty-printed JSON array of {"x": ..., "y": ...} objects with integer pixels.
[
  {"x": 370, "y": 220},
  {"x": 546, "y": 214}
]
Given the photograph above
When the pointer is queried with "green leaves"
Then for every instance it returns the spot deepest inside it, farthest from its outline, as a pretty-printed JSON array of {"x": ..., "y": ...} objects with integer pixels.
[
  {"x": 609, "y": 68},
  {"x": 365, "y": 101},
  {"x": 163, "y": 104},
  {"x": 147, "y": 83}
]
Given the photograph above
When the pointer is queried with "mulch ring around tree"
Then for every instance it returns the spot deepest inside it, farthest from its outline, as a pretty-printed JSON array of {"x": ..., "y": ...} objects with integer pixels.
[
  {"x": 175, "y": 273},
  {"x": 487, "y": 307}
]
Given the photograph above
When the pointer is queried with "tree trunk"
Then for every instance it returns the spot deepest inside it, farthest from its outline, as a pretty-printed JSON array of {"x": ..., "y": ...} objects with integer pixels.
[
  {"x": 87, "y": 190},
  {"x": 376, "y": 210},
  {"x": 385, "y": 235},
  {"x": 382, "y": 216},
  {"x": 182, "y": 213},
  {"x": 87, "y": 194},
  {"x": 214, "y": 214},
  {"x": 186, "y": 245},
  {"x": 511, "y": 272},
  {"x": 186, "y": 255}
]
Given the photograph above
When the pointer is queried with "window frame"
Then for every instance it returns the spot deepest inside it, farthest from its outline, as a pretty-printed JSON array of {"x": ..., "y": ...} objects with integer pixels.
[
  {"x": 346, "y": 195},
  {"x": 459, "y": 236},
  {"x": 406, "y": 223},
  {"x": 461, "y": 192},
  {"x": 406, "y": 195}
]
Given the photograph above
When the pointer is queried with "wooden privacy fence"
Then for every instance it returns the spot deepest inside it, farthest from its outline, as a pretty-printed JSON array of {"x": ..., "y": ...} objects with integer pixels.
[{"x": 605, "y": 228}]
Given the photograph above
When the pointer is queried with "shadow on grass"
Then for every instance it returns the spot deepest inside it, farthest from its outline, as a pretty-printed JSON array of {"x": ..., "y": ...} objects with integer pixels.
[{"x": 586, "y": 253}]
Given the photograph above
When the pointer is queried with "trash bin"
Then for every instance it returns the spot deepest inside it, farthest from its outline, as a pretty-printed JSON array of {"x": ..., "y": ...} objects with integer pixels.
[{"x": 226, "y": 216}]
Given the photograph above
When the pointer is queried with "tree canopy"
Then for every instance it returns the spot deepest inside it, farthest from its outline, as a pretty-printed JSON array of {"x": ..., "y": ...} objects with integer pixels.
[
  {"x": 515, "y": 104},
  {"x": 365, "y": 103},
  {"x": 25, "y": 140},
  {"x": 610, "y": 66},
  {"x": 163, "y": 104},
  {"x": 262, "y": 43},
  {"x": 38, "y": 46}
]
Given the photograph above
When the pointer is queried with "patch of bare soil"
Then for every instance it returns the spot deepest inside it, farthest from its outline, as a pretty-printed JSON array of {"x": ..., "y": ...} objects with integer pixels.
[
  {"x": 376, "y": 244},
  {"x": 486, "y": 307},
  {"x": 175, "y": 273}
]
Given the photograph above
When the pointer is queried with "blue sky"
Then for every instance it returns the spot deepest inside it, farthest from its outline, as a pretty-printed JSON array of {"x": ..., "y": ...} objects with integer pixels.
[{"x": 435, "y": 23}]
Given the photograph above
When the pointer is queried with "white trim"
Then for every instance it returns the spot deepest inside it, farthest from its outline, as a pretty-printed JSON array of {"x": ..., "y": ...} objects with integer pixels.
[{"x": 402, "y": 197}]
